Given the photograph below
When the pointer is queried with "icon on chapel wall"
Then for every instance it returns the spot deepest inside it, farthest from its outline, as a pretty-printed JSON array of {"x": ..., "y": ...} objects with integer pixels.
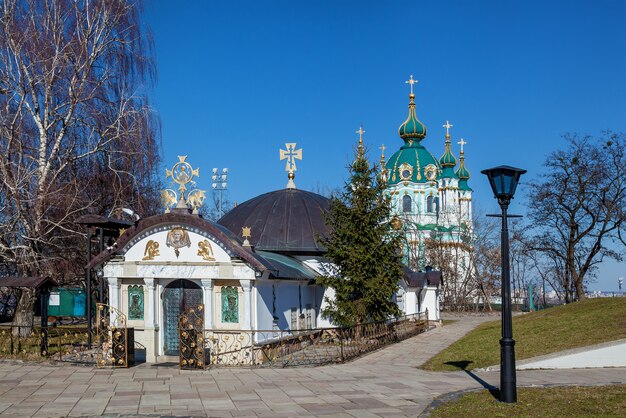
[
  {"x": 151, "y": 251},
  {"x": 178, "y": 238},
  {"x": 205, "y": 251}
]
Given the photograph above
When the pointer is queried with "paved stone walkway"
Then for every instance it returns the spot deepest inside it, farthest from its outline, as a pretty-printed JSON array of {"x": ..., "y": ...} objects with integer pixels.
[{"x": 384, "y": 383}]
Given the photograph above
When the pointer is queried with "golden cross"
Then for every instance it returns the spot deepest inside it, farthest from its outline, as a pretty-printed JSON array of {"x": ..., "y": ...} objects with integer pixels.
[
  {"x": 461, "y": 143},
  {"x": 291, "y": 154},
  {"x": 411, "y": 82},
  {"x": 182, "y": 173},
  {"x": 448, "y": 125},
  {"x": 361, "y": 131},
  {"x": 382, "y": 149}
]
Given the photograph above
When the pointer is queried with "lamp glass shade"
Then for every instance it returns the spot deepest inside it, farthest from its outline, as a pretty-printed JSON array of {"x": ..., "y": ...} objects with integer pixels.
[{"x": 503, "y": 180}]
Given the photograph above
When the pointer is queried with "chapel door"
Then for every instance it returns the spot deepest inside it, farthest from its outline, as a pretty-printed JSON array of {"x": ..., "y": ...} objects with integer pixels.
[{"x": 178, "y": 296}]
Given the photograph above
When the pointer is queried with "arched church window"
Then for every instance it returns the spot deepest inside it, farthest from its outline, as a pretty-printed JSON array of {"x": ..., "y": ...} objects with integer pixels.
[
  {"x": 406, "y": 203},
  {"x": 135, "y": 302},
  {"x": 430, "y": 206},
  {"x": 230, "y": 304}
]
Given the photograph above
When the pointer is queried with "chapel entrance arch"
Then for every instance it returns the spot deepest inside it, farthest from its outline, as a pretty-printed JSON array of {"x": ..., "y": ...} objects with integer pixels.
[{"x": 178, "y": 296}]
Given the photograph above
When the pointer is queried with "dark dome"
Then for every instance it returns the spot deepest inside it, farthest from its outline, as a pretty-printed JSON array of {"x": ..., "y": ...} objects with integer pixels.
[{"x": 286, "y": 221}]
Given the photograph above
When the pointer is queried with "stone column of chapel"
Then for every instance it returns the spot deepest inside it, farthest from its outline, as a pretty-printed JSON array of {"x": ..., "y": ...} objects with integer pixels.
[
  {"x": 247, "y": 304},
  {"x": 150, "y": 313},
  {"x": 207, "y": 293},
  {"x": 114, "y": 296},
  {"x": 149, "y": 320}
]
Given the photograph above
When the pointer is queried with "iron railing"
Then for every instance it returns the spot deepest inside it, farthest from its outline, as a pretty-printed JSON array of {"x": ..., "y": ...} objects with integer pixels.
[{"x": 276, "y": 348}]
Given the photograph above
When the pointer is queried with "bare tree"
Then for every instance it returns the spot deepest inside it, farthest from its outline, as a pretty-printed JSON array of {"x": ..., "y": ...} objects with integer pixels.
[
  {"x": 577, "y": 208},
  {"x": 76, "y": 130}
]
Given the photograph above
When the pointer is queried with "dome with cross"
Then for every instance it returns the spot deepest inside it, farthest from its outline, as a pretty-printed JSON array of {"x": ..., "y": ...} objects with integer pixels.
[{"x": 412, "y": 162}]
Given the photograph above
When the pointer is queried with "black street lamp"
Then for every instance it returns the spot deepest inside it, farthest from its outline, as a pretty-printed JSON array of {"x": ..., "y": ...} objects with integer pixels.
[{"x": 503, "y": 181}]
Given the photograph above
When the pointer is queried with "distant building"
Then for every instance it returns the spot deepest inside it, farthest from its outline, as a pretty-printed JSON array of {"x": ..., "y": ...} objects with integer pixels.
[{"x": 433, "y": 201}]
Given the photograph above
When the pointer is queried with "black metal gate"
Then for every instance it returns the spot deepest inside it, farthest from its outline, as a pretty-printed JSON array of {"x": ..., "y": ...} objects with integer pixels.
[{"x": 191, "y": 337}]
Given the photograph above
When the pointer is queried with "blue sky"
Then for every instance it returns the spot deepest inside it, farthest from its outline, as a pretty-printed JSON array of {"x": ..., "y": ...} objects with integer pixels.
[{"x": 239, "y": 79}]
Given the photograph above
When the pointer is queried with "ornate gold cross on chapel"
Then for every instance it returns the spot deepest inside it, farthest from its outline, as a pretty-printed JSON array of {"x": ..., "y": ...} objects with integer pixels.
[{"x": 291, "y": 154}]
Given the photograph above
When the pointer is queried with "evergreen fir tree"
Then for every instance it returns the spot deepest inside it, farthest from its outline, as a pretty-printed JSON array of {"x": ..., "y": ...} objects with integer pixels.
[{"x": 363, "y": 249}]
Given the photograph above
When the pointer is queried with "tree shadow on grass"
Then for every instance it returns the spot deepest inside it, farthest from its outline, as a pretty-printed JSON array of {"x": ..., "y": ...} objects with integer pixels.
[{"x": 462, "y": 365}]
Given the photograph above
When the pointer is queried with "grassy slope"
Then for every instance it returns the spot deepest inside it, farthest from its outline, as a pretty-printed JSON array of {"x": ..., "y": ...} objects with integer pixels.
[
  {"x": 569, "y": 326},
  {"x": 605, "y": 401}
]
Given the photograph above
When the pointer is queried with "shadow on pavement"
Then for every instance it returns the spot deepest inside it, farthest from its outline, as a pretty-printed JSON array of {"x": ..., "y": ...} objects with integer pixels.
[{"x": 462, "y": 365}]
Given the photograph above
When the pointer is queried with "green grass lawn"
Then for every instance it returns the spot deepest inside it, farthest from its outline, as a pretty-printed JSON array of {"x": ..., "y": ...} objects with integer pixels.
[
  {"x": 537, "y": 333},
  {"x": 569, "y": 401}
]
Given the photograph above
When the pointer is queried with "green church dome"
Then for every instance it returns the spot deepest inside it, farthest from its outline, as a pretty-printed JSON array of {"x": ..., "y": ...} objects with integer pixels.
[
  {"x": 448, "y": 160},
  {"x": 463, "y": 173},
  {"x": 412, "y": 129},
  {"x": 413, "y": 163}
]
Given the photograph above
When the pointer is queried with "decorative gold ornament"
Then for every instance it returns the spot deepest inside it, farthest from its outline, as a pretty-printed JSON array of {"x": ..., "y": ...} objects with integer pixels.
[
  {"x": 205, "y": 251},
  {"x": 246, "y": 233},
  {"x": 168, "y": 198},
  {"x": 177, "y": 238},
  {"x": 396, "y": 223},
  {"x": 151, "y": 251},
  {"x": 183, "y": 174},
  {"x": 431, "y": 172},
  {"x": 405, "y": 171},
  {"x": 196, "y": 198}
]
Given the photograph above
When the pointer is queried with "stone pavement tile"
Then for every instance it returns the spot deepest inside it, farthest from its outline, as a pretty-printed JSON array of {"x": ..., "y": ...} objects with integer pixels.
[
  {"x": 189, "y": 403},
  {"x": 4, "y": 406},
  {"x": 217, "y": 413},
  {"x": 155, "y": 400},
  {"x": 218, "y": 404},
  {"x": 88, "y": 407},
  {"x": 144, "y": 410},
  {"x": 188, "y": 395},
  {"x": 288, "y": 408},
  {"x": 362, "y": 413},
  {"x": 125, "y": 401},
  {"x": 121, "y": 409},
  {"x": 251, "y": 405},
  {"x": 243, "y": 396},
  {"x": 66, "y": 400},
  {"x": 317, "y": 409},
  {"x": 48, "y": 411},
  {"x": 21, "y": 411}
]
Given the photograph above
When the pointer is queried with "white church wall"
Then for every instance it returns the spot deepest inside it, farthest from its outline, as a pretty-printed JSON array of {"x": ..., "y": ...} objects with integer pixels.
[
  {"x": 264, "y": 303},
  {"x": 287, "y": 297}
]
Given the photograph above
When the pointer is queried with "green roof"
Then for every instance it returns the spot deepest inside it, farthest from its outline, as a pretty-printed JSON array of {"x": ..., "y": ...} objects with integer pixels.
[{"x": 416, "y": 158}]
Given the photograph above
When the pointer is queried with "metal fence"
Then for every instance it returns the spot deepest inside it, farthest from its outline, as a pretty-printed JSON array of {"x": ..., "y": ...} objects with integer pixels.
[
  {"x": 276, "y": 348},
  {"x": 56, "y": 343}
]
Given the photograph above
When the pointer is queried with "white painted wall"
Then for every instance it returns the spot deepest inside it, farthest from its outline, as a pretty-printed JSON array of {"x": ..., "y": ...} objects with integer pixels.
[{"x": 612, "y": 354}]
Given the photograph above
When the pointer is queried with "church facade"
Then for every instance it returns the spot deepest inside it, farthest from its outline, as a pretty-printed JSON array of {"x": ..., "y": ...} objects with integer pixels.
[{"x": 432, "y": 204}]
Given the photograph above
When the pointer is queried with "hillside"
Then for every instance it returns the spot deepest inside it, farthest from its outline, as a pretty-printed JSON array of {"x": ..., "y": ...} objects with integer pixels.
[{"x": 560, "y": 328}]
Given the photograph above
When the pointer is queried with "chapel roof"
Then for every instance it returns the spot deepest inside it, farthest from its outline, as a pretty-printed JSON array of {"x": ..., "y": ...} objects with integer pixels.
[{"x": 288, "y": 221}]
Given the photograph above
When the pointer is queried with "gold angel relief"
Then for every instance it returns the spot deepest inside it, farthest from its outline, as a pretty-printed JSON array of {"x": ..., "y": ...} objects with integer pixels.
[
  {"x": 151, "y": 251},
  {"x": 205, "y": 250}
]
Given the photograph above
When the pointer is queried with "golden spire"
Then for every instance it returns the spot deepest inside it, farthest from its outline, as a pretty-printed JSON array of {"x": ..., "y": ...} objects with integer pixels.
[
  {"x": 361, "y": 131},
  {"x": 382, "y": 154},
  {"x": 448, "y": 125}
]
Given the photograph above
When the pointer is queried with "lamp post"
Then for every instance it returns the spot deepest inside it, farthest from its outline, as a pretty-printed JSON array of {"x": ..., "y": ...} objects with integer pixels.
[
  {"x": 503, "y": 181},
  {"x": 220, "y": 183}
]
